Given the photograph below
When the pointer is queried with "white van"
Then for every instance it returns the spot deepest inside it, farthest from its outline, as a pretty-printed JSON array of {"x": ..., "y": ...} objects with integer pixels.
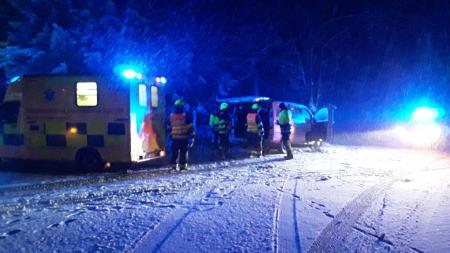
[{"x": 308, "y": 127}]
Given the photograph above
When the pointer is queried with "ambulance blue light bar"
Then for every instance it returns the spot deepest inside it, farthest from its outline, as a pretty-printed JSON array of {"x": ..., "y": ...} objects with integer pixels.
[
  {"x": 14, "y": 79},
  {"x": 130, "y": 73}
]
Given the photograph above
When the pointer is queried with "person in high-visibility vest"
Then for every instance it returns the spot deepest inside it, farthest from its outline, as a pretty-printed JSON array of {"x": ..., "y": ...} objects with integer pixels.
[
  {"x": 214, "y": 124},
  {"x": 224, "y": 128},
  {"x": 285, "y": 122},
  {"x": 255, "y": 131},
  {"x": 182, "y": 134}
]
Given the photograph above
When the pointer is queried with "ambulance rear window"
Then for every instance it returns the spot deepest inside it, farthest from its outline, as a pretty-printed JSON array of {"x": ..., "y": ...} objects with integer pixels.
[
  {"x": 154, "y": 96},
  {"x": 142, "y": 95},
  {"x": 87, "y": 94}
]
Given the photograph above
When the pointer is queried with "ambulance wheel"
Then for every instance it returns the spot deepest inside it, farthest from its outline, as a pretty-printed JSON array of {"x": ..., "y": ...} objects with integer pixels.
[{"x": 88, "y": 159}]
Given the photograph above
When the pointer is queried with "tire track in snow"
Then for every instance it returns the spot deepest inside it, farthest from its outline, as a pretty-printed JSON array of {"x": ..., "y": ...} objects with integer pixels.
[
  {"x": 295, "y": 198},
  {"x": 276, "y": 219},
  {"x": 285, "y": 235},
  {"x": 422, "y": 209},
  {"x": 332, "y": 237},
  {"x": 155, "y": 238}
]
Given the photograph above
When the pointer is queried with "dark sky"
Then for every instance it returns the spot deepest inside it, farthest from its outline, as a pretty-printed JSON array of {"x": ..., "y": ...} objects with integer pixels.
[{"x": 372, "y": 59}]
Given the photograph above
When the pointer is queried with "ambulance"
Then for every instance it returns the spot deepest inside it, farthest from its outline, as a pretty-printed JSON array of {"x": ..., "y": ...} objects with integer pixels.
[{"x": 92, "y": 122}]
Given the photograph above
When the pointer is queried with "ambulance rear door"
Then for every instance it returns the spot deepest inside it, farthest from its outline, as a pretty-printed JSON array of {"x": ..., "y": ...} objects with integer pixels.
[
  {"x": 147, "y": 121},
  {"x": 11, "y": 122}
]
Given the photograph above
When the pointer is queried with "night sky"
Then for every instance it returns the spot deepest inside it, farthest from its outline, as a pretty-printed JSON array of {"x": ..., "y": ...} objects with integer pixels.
[{"x": 374, "y": 60}]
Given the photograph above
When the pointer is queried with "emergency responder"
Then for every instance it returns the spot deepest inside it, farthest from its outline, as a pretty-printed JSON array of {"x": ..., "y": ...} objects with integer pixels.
[
  {"x": 182, "y": 135},
  {"x": 214, "y": 124},
  {"x": 285, "y": 121},
  {"x": 255, "y": 131},
  {"x": 224, "y": 130}
]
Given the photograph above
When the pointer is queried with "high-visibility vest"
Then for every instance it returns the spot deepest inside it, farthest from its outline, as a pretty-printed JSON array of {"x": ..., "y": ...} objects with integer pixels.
[
  {"x": 252, "y": 126},
  {"x": 179, "y": 128},
  {"x": 223, "y": 126},
  {"x": 285, "y": 120},
  {"x": 213, "y": 121}
]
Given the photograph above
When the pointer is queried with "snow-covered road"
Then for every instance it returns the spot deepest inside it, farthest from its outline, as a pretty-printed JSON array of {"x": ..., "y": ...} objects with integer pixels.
[{"x": 341, "y": 199}]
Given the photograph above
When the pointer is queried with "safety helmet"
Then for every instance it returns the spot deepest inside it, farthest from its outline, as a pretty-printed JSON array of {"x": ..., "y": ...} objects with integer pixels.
[
  {"x": 255, "y": 106},
  {"x": 179, "y": 102},
  {"x": 282, "y": 106},
  {"x": 223, "y": 106}
]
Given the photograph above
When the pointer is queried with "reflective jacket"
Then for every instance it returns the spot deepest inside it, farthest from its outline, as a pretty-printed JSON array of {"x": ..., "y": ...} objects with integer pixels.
[
  {"x": 214, "y": 122},
  {"x": 224, "y": 123},
  {"x": 285, "y": 121},
  {"x": 254, "y": 124},
  {"x": 180, "y": 127}
]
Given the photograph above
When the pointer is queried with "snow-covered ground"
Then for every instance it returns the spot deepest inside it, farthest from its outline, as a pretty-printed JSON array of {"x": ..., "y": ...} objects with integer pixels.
[{"x": 341, "y": 199}]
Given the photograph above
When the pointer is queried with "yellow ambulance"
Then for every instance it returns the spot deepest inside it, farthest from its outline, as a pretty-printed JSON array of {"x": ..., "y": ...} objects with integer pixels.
[{"x": 91, "y": 121}]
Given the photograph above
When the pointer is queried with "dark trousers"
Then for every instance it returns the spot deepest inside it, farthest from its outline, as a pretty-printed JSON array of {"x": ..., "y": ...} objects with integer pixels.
[
  {"x": 224, "y": 144},
  {"x": 179, "y": 150},
  {"x": 216, "y": 138},
  {"x": 286, "y": 143},
  {"x": 255, "y": 141}
]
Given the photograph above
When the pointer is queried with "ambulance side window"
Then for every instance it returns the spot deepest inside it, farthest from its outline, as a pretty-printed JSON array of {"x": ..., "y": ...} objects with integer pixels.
[
  {"x": 87, "y": 94},
  {"x": 9, "y": 112},
  {"x": 154, "y": 96},
  {"x": 142, "y": 95}
]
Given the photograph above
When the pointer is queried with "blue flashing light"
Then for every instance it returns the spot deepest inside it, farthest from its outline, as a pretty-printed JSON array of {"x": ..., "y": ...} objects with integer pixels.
[
  {"x": 161, "y": 80},
  {"x": 14, "y": 79},
  {"x": 130, "y": 73},
  {"x": 425, "y": 114}
]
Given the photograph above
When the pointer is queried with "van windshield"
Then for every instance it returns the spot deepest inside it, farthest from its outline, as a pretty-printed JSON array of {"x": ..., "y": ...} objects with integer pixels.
[{"x": 9, "y": 111}]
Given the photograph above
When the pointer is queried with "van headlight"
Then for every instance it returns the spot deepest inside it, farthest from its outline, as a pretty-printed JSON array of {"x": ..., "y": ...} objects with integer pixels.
[{"x": 420, "y": 134}]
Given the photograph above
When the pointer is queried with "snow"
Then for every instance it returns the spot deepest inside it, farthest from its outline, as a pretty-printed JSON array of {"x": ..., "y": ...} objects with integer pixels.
[{"x": 341, "y": 198}]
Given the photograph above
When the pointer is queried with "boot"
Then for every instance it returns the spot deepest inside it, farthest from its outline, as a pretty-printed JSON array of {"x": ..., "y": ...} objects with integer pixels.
[
  {"x": 289, "y": 156},
  {"x": 259, "y": 154},
  {"x": 184, "y": 166}
]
